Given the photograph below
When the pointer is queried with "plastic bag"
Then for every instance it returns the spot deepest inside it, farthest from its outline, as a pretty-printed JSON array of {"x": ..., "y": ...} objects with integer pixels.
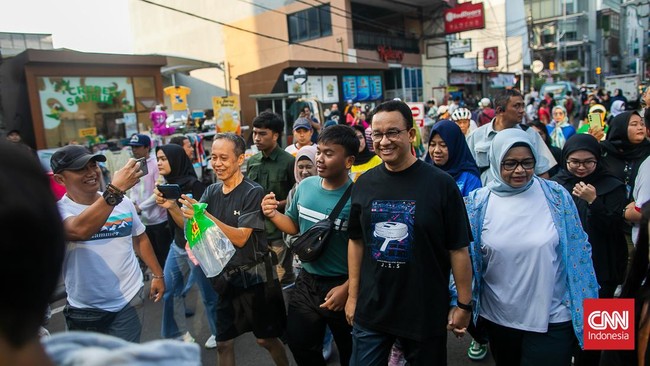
[{"x": 207, "y": 242}]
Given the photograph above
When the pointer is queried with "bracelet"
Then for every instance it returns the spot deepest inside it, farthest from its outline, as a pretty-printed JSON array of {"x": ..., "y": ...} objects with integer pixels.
[
  {"x": 466, "y": 307},
  {"x": 158, "y": 277},
  {"x": 115, "y": 189}
]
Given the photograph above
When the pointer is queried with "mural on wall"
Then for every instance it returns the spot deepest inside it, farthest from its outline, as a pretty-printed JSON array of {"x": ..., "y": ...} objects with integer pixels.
[{"x": 80, "y": 98}]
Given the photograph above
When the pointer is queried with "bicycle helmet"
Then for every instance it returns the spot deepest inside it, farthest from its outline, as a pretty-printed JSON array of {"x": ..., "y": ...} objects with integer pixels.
[{"x": 461, "y": 113}]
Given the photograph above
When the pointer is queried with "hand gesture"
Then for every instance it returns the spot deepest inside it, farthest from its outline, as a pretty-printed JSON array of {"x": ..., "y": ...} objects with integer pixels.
[
  {"x": 128, "y": 176},
  {"x": 597, "y": 133},
  {"x": 350, "y": 308},
  {"x": 187, "y": 209},
  {"x": 584, "y": 191},
  {"x": 458, "y": 320},
  {"x": 336, "y": 298},
  {"x": 269, "y": 205}
]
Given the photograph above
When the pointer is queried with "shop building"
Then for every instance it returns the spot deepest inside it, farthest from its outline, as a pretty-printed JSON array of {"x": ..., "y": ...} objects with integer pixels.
[{"x": 55, "y": 97}]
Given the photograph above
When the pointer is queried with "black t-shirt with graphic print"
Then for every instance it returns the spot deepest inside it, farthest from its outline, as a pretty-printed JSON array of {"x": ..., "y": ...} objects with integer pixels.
[{"x": 409, "y": 221}]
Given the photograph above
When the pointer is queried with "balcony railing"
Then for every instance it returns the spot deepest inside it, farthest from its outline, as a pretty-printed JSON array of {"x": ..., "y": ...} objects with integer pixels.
[{"x": 370, "y": 41}]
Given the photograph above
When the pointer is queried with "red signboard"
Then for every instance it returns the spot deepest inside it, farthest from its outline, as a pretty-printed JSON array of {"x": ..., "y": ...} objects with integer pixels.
[
  {"x": 464, "y": 17},
  {"x": 388, "y": 54},
  {"x": 491, "y": 57}
]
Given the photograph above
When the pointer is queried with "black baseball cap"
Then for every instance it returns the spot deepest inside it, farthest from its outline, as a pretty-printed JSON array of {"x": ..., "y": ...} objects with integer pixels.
[{"x": 72, "y": 157}]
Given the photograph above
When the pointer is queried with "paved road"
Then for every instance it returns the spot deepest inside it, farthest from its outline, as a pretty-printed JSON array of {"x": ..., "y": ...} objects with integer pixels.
[{"x": 248, "y": 353}]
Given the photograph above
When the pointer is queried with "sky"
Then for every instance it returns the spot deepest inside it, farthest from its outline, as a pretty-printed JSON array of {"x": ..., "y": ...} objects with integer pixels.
[{"x": 77, "y": 29}]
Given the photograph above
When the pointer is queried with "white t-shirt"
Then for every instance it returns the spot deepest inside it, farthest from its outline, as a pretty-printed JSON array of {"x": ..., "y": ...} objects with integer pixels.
[
  {"x": 103, "y": 272},
  {"x": 524, "y": 279}
]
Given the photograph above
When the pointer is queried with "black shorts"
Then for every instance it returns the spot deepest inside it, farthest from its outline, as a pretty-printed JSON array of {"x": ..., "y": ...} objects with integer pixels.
[{"x": 258, "y": 308}]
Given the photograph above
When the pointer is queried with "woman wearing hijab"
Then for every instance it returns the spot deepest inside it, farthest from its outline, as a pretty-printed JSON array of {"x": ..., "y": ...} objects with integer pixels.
[
  {"x": 176, "y": 168},
  {"x": 600, "y": 198},
  {"x": 366, "y": 159},
  {"x": 531, "y": 258},
  {"x": 448, "y": 151},
  {"x": 560, "y": 129}
]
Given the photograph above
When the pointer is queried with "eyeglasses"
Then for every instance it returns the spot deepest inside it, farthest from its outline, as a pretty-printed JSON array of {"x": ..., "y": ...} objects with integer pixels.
[
  {"x": 575, "y": 164},
  {"x": 391, "y": 135},
  {"x": 510, "y": 165}
]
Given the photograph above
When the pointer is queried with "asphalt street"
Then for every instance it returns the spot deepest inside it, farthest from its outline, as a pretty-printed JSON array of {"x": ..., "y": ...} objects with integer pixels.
[{"x": 247, "y": 352}]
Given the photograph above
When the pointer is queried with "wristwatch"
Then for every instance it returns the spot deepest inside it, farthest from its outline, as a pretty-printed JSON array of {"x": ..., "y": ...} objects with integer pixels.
[
  {"x": 112, "y": 195},
  {"x": 466, "y": 307}
]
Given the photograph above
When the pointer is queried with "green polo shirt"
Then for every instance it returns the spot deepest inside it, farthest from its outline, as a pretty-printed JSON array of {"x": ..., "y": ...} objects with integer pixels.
[{"x": 275, "y": 174}]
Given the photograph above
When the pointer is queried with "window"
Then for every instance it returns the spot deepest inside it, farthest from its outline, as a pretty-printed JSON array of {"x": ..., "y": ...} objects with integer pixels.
[{"x": 309, "y": 24}]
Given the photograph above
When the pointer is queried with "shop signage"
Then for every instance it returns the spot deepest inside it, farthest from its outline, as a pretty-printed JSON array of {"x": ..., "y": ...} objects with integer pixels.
[
  {"x": 90, "y": 131},
  {"x": 376, "y": 91},
  {"x": 463, "y": 78},
  {"x": 226, "y": 114},
  {"x": 300, "y": 75},
  {"x": 460, "y": 46},
  {"x": 80, "y": 98},
  {"x": 464, "y": 17},
  {"x": 491, "y": 57},
  {"x": 502, "y": 80},
  {"x": 363, "y": 88},
  {"x": 350, "y": 87},
  {"x": 330, "y": 89},
  {"x": 388, "y": 54}
]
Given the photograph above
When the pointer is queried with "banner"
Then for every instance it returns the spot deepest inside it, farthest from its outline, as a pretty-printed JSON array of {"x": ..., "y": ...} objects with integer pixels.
[
  {"x": 376, "y": 91},
  {"x": 464, "y": 17},
  {"x": 226, "y": 114},
  {"x": 350, "y": 88},
  {"x": 330, "y": 89},
  {"x": 363, "y": 88}
]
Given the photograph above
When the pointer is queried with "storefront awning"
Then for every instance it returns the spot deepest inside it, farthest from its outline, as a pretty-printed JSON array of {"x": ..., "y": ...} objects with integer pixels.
[{"x": 176, "y": 64}]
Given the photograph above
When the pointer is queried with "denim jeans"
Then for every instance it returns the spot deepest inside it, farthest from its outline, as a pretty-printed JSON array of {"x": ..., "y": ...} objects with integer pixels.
[
  {"x": 370, "y": 348},
  {"x": 127, "y": 323},
  {"x": 177, "y": 270}
]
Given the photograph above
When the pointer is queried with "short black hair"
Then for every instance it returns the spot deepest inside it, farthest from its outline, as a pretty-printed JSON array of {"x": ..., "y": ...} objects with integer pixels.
[
  {"x": 392, "y": 106},
  {"x": 238, "y": 141},
  {"x": 341, "y": 135},
  {"x": 269, "y": 120},
  {"x": 30, "y": 277},
  {"x": 178, "y": 140},
  {"x": 503, "y": 97}
]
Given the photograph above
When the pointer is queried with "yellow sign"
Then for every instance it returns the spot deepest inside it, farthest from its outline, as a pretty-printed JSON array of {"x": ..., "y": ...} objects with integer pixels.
[
  {"x": 90, "y": 131},
  {"x": 226, "y": 114}
]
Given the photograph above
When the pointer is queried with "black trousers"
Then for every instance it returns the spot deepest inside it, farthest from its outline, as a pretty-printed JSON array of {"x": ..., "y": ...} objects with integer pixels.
[
  {"x": 160, "y": 237},
  {"x": 306, "y": 321},
  {"x": 514, "y": 347}
]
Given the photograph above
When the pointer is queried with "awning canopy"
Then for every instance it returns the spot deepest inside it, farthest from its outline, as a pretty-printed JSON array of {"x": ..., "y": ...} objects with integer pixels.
[{"x": 177, "y": 64}]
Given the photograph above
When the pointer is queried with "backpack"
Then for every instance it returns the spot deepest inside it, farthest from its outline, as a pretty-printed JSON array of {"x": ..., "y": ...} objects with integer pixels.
[
  {"x": 568, "y": 105},
  {"x": 486, "y": 116}
]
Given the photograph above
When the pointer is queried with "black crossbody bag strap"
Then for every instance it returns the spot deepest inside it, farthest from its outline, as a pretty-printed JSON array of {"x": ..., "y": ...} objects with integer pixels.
[{"x": 340, "y": 204}]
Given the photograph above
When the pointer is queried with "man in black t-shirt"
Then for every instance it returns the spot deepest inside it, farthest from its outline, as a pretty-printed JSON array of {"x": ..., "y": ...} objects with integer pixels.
[
  {"x": 250, "y": 294},
  {"x": 403, "y": 244}
]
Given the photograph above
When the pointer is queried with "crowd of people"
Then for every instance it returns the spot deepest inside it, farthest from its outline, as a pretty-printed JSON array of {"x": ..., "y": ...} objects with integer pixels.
[{"x": 513, "y": 214}]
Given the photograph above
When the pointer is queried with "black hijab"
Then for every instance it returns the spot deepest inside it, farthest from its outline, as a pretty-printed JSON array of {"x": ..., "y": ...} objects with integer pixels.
[
  {"x": 600, "y": 179},
  {"x": 365, "y": 155},
  {"x": 618, "y": 143},
  {"x": 182, "y": 171}
]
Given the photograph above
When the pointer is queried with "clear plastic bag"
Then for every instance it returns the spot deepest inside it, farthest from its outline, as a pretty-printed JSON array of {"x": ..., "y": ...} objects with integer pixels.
[{"x": 207, "y": 242}]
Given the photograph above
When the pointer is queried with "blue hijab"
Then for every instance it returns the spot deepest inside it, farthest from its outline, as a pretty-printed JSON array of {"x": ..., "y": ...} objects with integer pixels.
[
  {"x": 502, "y": 143},
  {"x": 460, "y": 158}
]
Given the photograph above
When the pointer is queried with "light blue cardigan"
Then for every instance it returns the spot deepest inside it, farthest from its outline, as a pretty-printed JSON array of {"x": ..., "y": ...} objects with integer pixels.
[{"x": 574, "y": 249}]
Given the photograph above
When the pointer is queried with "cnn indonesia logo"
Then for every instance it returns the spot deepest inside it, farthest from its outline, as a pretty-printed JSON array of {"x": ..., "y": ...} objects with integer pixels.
[{"x": 609, "y": 324}]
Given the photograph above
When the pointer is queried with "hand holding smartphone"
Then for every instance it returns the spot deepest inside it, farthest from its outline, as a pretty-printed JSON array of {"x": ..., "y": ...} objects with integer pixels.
[
  {"x": 143, "y": 166},
  {"x": 170, "y": 191},
  {"x": 595, "y": 121}
]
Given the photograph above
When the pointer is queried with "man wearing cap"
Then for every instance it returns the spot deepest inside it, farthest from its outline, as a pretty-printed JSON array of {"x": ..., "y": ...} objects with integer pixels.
[
  {"x": 272, "y": 168},
  {"x": 152, "y": 216},
  {"x": 103, "y": 281},
  {"x": 302, "y": 132}
]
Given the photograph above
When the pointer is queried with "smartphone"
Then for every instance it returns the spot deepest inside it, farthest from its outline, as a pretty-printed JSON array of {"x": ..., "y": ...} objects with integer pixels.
[
  {"x": 143, "y": 165},
  {"x": 170, "y": 191},
  {"x": 595, "y": 121}
]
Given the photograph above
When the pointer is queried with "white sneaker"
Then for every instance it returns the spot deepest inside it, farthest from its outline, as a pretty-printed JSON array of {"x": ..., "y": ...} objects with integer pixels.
[
  {"x": 211, "y": 342},
  {"x": 187, "y": 338}
]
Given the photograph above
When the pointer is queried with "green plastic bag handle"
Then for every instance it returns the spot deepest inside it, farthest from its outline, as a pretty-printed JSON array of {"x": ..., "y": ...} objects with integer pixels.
[{"x": 198, "y": 224}]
